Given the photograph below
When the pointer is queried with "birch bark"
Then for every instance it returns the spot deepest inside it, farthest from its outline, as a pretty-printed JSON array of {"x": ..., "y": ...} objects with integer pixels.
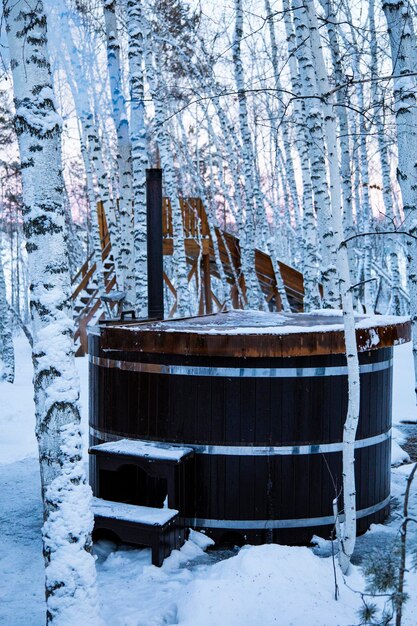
[
  {"x": 357, "y": 269},
  {"x": 230, "y": 144},
  {"x": 317, "y": 152},
  {"x": 236, "y": 211},
  {"x": 364, "y": 216},
  {"x": 6, "y": 334},
  {"x": 139, "y": 155},
  {"x": 286, "y": 139},
  {"x": 348, "y": 528},
  {"x": 91, "y": 151},
  {"x": 70, "y": 572},
  {"x": 232, "y": 149},
  {"x": 124, "y": 150},
  {"x": 254, "y": 295},
  {"x": 212, "y": 221},
  {"x": 404, "y": 60},
  {"x": 344, "y": 131},
  {"x": 81, "y": 106},
  {"x": 92, "y": 201},
  {"x": 179, "y": 258},
  {"x": 377, "y": 98},
  {"x": 312, "y": 298}
]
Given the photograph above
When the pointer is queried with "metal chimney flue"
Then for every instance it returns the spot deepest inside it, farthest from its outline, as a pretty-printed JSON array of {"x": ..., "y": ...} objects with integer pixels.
[{"x": 154, "y": 239}]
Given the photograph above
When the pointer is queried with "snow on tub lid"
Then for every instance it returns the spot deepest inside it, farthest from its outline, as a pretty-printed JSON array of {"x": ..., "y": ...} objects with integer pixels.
[{"x": 254, "y": 334}]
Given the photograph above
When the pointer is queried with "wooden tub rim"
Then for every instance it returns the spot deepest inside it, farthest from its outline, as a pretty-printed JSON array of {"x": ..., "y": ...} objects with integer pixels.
[{"x": 177, "y": 336}]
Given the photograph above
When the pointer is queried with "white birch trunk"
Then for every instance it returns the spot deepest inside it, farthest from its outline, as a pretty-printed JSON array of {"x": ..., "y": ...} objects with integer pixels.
[
  {"x": 364, "y": 213},
  {"x": 96, "y": 160},
  {"x": 121, "y": 123},
  {"x": 82, "y": 114},
  {"x": 6, "y": 333},
  {"x": 139, "y": 154},
  {"x": 317, "y": 151},
  {"x": 254, "y": 295},
  {"x": 179, "y": 261},
  {"x": 91, "y": 151},
  {"x": 212, "y": 219},
  {"x": 404, "y": 59},
  {"x": 230, "y": 144},
  {"x": 92, "y": 201},
  {"x": 286, "y": 139},
  {"x": 344, "y": 132},
  {"x": 376, "y": 96},
  {"x": 348, "y": 538},
  {"x": 231, "y": 155},
  {"x": 70, "y": 571},
  {"x": 357, "y": 269},
  {"x": 312, "y": 298},
  {"x": 237, "y": 214}
]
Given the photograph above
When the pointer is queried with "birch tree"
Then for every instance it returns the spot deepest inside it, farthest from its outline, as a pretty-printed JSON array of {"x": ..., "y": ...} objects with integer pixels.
[
  {"x": 284, "y": 126},
  {"x": 404, "y": 59},
  {"x": 163, "y": 142},
  {"x": 212, "y": 221},
  {"x": 72, "y": 59},
  {"x": 317, "y": 153},
  {"x": 312, "y": 298},
  {"x": 124, "y": 161},
  {"x": 6, "y": 332},
  {"x": 70, "y": 572},
  {"x": 387, "y": 193},
  {"x": 139, "y": 154},
  {"x": 342, "y": 114},
  {"x": 364, "y": 216},
  {"x": 254, "y": 295},
  {"x": 348, "y": 528}
]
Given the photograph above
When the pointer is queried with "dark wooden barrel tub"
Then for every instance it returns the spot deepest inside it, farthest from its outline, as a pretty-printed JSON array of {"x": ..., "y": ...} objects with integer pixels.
[{"x": 261, "y": 398}]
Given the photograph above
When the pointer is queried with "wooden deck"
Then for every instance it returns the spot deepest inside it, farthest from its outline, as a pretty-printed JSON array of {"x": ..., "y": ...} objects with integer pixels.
[{"x": 199, "y": 249}]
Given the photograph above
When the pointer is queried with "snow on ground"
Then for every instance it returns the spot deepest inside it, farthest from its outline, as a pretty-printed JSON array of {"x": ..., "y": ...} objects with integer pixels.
[
  {"x": 17, "y": 412},
  {"x": 269, "y": 584},
  {"x": 403, "y": 401},
  {"x": 261, "y": 585},
  {"x": 21, "y": 563}
]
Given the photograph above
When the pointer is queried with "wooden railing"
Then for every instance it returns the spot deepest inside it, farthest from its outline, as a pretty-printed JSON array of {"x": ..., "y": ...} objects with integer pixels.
[
  {"x": 81, "y": 284},
  {"x": 88, "y": 274},
  {"x": 199, "y": 248},
  {"x": 194, "y": 218}
]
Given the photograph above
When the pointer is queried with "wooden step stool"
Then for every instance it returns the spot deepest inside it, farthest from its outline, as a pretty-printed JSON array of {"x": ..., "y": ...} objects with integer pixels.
[
  {"x": 159, "y": 529},
  {"x": 159, "y": 460}
]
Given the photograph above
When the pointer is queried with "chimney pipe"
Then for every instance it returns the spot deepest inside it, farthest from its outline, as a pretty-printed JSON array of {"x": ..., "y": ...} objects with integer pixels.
[{"x": 154, "y": 241}]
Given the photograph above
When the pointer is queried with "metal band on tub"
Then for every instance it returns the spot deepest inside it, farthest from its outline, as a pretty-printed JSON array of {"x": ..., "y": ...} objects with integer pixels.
[
  {"x": 236, "y": 372},
  {"x": 239, "y": 524},
  {"x": 229, "y": 450}
]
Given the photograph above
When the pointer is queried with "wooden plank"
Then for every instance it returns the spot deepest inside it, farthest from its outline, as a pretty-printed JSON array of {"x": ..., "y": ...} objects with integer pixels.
[
  {"x": 82, "y": 271},
  {"x": 207, "y": 284},
  {"x": 89, "y": 274},
  {"x": 196, "y": 226}
]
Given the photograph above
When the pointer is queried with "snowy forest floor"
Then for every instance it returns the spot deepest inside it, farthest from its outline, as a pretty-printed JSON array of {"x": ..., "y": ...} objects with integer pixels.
[{"x": 263, "y": 585}]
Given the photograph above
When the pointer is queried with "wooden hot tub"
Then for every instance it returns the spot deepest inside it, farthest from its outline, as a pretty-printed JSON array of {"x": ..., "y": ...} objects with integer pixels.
[{"x": 261, "y": 399}]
